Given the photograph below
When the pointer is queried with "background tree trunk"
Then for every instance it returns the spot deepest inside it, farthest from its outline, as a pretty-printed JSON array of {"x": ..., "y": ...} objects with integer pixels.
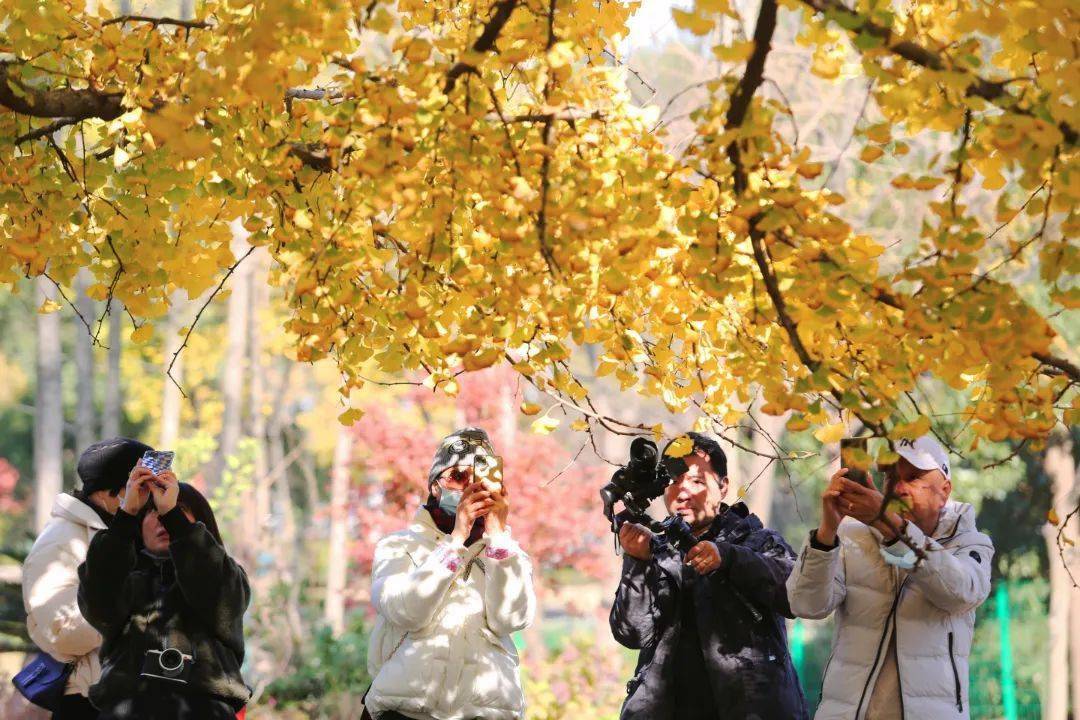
[
  {"x": 337, "y": 563},
  {"x": 232, "y": 384},
  {"x": 1059, "y": 466},
  {"x": 114, "y": 398},
  {"x": 48, "y": 410},
  {"x": 259, "y": 297},
  {"x": 85, "y": 417}
]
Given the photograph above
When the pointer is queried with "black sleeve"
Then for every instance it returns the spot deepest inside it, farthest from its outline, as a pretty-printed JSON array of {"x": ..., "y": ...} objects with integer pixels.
[
  {"x": 759, "y": 568},
  {"x": 644, "y": 601},
  {"x": 212, "y": 583},
  {"x": 103, "y": 599}
]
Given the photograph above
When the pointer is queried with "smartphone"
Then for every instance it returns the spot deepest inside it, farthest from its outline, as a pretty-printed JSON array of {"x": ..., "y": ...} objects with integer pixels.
[
  {"x": 855, "y": 457},
  {"x": 158, "y": 461},
  {"x": 488, "y": 469}
]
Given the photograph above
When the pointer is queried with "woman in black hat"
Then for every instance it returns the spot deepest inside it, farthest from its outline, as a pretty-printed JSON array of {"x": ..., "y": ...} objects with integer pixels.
[{"x": 169, "y": 602}]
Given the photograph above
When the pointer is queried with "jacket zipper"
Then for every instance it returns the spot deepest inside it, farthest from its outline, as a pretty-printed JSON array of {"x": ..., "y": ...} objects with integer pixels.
[
  {"x": 956, "y": 675},
  {"x": 881, "y": 646}
]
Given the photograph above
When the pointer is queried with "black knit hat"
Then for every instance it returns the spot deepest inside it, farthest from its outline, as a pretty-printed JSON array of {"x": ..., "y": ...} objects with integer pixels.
[{"x": 106, "y": 464}]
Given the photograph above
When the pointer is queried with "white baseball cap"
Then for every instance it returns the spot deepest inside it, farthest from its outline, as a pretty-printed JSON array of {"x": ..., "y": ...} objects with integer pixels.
[{"x": 925, "y": 453}]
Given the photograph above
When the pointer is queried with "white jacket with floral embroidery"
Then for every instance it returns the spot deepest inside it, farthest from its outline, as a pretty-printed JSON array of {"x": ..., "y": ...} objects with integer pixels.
[{"x": 441, "y": 644}]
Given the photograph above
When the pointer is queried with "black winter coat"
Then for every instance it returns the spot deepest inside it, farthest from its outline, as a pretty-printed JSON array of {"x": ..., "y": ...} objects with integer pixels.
[
  {"x": 194, "y": 601},
  {"x": 740, "y": 610}
]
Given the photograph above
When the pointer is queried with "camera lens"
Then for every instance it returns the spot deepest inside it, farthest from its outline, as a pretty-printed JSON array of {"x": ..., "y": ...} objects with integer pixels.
[{"x": 171, "y": 660}]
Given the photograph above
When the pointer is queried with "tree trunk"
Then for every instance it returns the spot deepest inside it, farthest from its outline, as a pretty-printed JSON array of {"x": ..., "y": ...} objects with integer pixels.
[
  {"x": 48, "y": 411},
  {"x": 760, "y": 473},
  {"x": 256, "y": 493},
  {"x": 171, "y": 398},
  {"x": 114, "y": 392},
  {"x": 85, "y": 417},
  {"x": 1060, "y": 468},
  {"x": 337, "y": 563},
  {"x": 232, "y": 386}
]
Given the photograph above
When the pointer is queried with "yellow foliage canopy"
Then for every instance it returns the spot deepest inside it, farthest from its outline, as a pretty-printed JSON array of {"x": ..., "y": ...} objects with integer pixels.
[{"x": 450, "y": 184}]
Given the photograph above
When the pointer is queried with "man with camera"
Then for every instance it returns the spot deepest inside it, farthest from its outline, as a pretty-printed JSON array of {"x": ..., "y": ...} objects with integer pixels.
[
  {"x": 904, "y": 587},
  {"x": 709, "y": 621}
]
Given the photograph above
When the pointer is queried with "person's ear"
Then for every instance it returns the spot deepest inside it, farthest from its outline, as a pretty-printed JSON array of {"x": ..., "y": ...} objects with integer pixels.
[{"x": 947, "y": 488}]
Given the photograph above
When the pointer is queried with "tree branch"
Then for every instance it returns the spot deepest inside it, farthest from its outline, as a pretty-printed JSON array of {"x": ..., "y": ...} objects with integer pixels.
[
  {"x": 156, "y": 21},
  {"x": 46, "y": 130},
  {"x": 503, "y": 10},
  {"x": 67, "y": 103},
  {"x": 992, "y": 91},
  {"x": 1059, "y": 363}
]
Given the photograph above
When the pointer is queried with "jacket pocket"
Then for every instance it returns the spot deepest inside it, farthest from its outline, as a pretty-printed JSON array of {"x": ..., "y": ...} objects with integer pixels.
[{"x": 956, "y": 675}]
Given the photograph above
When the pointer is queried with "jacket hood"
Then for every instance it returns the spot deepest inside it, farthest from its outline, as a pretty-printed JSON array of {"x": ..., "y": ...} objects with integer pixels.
[
  {"x": 734, "y": 521},
  {"x": 72, "y": 509}
]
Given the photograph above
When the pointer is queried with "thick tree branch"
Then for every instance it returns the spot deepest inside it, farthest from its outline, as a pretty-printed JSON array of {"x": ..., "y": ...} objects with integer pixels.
[
  {"x": 991, "y": 91},
  {"x": 156, "y": 21},
  {"x": 1059, "y": 363},
  {"x": 503, "y": 10},
  {"x": 65, "y": 103}
]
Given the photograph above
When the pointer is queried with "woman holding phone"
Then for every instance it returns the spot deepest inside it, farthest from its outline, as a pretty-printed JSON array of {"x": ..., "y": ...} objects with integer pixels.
[
  {"x": 448, "y": 592},
  {"x": 169, "y": 602}
]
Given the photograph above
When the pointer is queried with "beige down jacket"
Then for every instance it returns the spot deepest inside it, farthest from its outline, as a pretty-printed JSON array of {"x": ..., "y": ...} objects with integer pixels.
[
  {"x": 50, "y": 587},
  {"x": 930, "y": 609},
  {"x": 441, "y": 644}
]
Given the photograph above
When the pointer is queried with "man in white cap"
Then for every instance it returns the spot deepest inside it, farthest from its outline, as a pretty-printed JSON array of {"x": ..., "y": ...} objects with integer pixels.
[{"x": 904, "y": 584}]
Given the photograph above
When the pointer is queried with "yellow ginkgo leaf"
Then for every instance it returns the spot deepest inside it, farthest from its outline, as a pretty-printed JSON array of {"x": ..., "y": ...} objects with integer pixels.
[
  {"x": 528, "y": 408},
  {"x": 680, "y": 447},
  {"x": 1052, "y": 517},
  {"x": 49, "y": 306},
  {"x": 830, "y": 433},
  {"x": 350, "y": 416},
  {"x": 302, "y": 220},
  {"x": 544, "y": 425},
  {"x": 142, "y": 333}
]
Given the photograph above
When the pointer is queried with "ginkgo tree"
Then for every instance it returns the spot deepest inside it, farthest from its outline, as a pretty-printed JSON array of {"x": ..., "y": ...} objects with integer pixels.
[{"x": 445, "y": 186}]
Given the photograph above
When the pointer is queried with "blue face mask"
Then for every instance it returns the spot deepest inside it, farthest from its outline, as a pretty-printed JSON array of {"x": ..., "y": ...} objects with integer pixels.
[{"x": 449, "y": 500}]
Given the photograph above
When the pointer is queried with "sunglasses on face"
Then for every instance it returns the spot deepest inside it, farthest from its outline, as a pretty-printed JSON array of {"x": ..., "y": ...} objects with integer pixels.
[{"x": 456, "y": 478}]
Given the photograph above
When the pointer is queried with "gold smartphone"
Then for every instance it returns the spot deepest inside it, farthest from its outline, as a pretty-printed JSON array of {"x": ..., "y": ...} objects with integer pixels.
[{"x": 488, "y": 469}]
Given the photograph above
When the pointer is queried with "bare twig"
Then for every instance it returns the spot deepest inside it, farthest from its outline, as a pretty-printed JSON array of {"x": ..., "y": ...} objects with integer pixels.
[{"x": 187, "y": 335}]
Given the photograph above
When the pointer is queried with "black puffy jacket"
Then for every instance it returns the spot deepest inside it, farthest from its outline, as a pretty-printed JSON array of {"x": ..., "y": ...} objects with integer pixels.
[
  {"x": 194, "y": 601},
  {"x": 740, "y": 610}
]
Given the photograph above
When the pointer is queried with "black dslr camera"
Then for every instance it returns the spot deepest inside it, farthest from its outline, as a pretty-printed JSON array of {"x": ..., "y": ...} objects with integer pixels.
[
  {"x": 167, "y": 664},
  {"x": 637, "y": 484}
]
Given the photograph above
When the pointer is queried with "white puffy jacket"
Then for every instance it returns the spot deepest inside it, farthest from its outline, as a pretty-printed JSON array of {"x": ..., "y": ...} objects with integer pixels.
[
  {"x": 50, "y": 587},
  {"x": 441, "y": 644},
  {"x": 931, "y": 610}
]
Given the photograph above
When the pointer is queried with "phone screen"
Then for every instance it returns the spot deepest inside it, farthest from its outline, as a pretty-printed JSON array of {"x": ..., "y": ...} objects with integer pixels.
[
  {"x": 158, "y": 461},
  {"x": 855, "y": 457}
]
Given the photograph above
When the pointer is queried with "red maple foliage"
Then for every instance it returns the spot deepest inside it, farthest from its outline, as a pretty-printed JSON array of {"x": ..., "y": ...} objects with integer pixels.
[
  {"x": 9, "y": 477},
  {"x": 555, "y": 506}
]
